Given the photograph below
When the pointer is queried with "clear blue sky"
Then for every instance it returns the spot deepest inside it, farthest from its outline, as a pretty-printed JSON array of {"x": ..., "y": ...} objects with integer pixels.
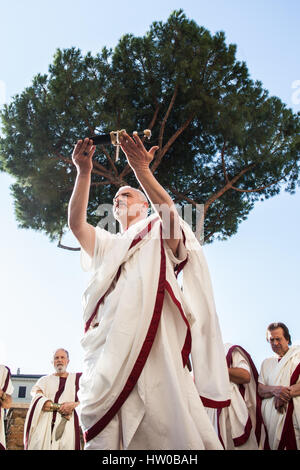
[{"x": 255, "y": 274}]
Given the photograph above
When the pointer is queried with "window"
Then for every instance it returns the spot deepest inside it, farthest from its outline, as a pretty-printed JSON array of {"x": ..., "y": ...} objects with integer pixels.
[{"x": 22, "y": 392}]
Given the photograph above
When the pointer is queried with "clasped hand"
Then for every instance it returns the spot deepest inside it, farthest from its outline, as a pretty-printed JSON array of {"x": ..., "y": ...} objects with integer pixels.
[
  {"x": 282, "y": 397},
  {"x": 66, "y": 409}
]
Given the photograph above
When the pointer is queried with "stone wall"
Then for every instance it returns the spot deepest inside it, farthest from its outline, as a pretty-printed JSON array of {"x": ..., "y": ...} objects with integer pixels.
[{"x": 15, "y": 420}]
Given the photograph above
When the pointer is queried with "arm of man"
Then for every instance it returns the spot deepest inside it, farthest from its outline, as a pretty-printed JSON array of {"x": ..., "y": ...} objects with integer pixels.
[
  {"x": 47, "y": 404},
  {"x": 239, "y": 375},
  {"x": 139, "y": 159},
  {"x": 67, "y": 408},
  {"x": 82, "y": 230},
  {"x": 277, "y": 391},
  {"x": 295, "y": 390},
  {"x": 5, "y": 399}
]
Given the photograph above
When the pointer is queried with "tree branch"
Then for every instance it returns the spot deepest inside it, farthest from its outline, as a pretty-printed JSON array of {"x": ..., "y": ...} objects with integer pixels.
[
  {"x": 223, "y": 163},
  {"x": 172, "y": 139},
  {"x": 154, "y": 117},
  {"x": 99, "y": 170},
  {"x": 127, "y": 169},
  {"x": 227, "y": 186},
  {"x": 67, "y": 247},
  {"x": 182, "y": 196},
  {"x": 106, "y": 153},
  {"x": 257, "y": 189},
  {"x": 164, "y": 121}
]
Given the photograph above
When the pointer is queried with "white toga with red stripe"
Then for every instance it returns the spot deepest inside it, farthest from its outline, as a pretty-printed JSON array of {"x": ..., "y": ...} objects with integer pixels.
[
  {"x": 240, "y": 426},
  {"x": 283, "y": 428},
  {"x": 40, "y": 426},
  {"x": 136, "y": 391}
]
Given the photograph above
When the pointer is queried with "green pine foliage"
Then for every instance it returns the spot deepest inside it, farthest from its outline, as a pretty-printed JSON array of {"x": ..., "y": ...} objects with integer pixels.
[{"x": 224, "y": 142}]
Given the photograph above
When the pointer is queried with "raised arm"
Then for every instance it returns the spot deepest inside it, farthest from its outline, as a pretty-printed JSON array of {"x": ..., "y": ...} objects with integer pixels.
[
  {"x": 83, "y": 231},
  {"x": 139, "y": 159}
]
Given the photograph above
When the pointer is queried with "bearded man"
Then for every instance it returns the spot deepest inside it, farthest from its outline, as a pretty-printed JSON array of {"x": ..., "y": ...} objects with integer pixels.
[
  {"x": 279, "y": 388},
  {"x": 136, "y": 391},
  {"x": 51, "y": 421}
]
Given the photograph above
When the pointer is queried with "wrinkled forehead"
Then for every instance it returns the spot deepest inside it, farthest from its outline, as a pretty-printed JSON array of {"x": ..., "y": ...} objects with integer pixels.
[
  {"x": 130, "y": 190},
  {"x": 276, "y": 333},
  {"x": 59, "y": 353}
]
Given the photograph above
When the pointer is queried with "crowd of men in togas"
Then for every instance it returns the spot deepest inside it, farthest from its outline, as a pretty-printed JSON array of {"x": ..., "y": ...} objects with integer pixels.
[
  {"x": 156, "y": 373},
  {"x": 263, "y": 412}
]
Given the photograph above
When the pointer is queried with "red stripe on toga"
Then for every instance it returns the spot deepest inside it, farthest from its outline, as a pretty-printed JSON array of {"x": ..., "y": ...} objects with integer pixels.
[{"x": 143, "y": 355}]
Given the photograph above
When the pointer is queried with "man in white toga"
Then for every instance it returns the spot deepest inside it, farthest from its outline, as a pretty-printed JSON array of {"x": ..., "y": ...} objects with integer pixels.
[
  {"x": 136, "y": 391},
  {"x": 279, "y": 388},
  {"x": 240, "y": 425},
  {"x": 51, "y": 421}
]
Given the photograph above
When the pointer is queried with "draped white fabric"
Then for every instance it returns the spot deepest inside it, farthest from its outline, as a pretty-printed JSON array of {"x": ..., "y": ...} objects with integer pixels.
[
  {"x": 274, "y": 372},
  {"x": 37, "y": 427},
  {"x": 163, "y": 411}
]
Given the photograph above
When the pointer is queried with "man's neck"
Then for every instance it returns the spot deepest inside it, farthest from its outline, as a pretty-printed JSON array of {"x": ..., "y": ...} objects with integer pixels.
[
  {"x": 283, "y": 354},
  {"x": 128, "y": 223},
  {"x": 62, "y": 374}
]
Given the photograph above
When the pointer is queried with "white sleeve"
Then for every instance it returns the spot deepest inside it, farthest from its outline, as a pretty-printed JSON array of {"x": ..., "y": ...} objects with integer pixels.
[
  {"x": 182, "y": 253},
  {"x": 39, "y": 385},
  {"x": 10, "y": 387},
  {"x": 239, "y": 361},
  {"x": 262, "y": 378},
  {"x": 103, "y": 242}
]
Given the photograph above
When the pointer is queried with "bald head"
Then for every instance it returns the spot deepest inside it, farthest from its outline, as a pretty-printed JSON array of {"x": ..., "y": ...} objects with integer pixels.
[
  {"x": 129, "y": 206},
  {"x": 141, "y": 195}
]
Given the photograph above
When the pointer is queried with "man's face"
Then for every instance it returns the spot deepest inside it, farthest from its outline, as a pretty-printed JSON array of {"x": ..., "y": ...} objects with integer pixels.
[
  {"x": 278, "y": 342},
  {"x": 60, "y": 361},
  {"x": 127, "y": 204}
]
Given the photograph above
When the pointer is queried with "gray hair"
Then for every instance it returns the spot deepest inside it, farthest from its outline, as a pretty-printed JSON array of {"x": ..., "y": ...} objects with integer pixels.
[
  {"x": 286, "y": 333},
  {"x": 61, "y": 349}
]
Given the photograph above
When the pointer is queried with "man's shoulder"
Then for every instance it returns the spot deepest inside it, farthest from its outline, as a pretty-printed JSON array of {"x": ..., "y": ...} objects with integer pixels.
[
  {"x": 295, "y": 353},
  {"x": 75, "y": 374},
  {"x": 46, "y": 377},
  {"x": 269, "y": 360},
  {"x": 110, "y": 232}
]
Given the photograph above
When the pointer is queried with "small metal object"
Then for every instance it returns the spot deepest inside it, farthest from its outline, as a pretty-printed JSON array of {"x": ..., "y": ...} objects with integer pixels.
[
  {"x": 60, "y": 428},
  {"x": 113, "y": 138}
]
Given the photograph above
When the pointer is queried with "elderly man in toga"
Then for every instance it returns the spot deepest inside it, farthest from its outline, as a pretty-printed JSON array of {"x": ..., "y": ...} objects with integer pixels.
[
  {"x": 141, "y": 328},
  {"x": 51, "y": 421},
  {"x": 279, "y": 388}
]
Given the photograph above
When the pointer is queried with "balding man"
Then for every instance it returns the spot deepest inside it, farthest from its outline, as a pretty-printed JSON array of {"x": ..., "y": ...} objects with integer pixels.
[
  {"x": 136, "y": 391},
  {"x": 279, "y": 388},
  {"x": 51, "y": 421}
]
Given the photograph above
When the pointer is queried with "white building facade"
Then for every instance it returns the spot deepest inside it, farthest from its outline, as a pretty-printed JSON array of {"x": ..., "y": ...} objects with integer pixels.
[{"x": 23, "y": 384}]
